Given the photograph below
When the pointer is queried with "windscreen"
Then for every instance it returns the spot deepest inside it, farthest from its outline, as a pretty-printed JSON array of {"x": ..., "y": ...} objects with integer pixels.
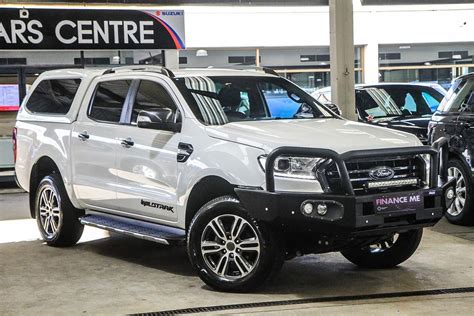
[
  {"x": 454, "y": 99},
  {"x": 224, "y": 99}
]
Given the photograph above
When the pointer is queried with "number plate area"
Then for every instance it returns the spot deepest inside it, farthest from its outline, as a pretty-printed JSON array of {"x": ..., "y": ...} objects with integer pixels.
[{"x": 399, "y": 202}]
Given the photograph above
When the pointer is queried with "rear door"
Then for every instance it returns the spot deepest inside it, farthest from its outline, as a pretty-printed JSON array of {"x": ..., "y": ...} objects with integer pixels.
[
  {"x": 94, "y": 144},
  {"x": 147, "y": 166}
]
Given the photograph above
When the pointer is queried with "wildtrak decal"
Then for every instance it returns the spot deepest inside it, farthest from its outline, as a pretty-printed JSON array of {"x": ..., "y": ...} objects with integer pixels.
[{"x": 158, "y": 206}]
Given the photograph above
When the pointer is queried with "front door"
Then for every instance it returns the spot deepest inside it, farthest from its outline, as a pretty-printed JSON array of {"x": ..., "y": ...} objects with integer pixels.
[{"x": 146, "y": 161}]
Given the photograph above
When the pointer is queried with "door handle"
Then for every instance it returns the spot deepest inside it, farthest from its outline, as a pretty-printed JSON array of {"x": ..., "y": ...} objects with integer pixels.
[
  {"x": 83, "y": 136},
  {"x": 127, "y": 142}
]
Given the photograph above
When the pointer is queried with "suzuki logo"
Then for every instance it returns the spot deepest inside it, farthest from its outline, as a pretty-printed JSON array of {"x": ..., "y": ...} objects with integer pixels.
[{"x": 381, "y": 173}]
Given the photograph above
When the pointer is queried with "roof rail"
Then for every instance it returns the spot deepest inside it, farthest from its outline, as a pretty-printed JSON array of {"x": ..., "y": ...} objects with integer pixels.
[{"x": 152, "y": 68}]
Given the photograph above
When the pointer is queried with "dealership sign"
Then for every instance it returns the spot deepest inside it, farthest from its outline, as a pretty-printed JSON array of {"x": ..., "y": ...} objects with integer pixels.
[{"x": 85, "y": 29}]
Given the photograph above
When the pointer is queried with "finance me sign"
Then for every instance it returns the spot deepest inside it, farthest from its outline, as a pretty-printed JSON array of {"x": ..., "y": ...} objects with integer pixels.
[{"x": 88, "y": 29}]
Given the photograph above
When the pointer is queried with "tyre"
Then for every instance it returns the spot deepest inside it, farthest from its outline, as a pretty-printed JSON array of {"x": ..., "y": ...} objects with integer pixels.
[
  {"x": 461, "y": 212},
  {"x": 387, "y": 253},
  {"x": 231, "y": 251},
  {"x": 57, "y": 218}
]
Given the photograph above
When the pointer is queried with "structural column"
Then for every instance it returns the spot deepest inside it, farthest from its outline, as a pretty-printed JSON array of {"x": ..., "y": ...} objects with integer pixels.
[
  {"x": 371, "y": 63},
  {"x": 341, "y": 17},
  {"x": 171, "y": 58}
]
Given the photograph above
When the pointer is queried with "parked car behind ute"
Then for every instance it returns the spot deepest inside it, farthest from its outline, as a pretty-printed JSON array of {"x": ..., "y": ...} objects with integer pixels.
[
  {"x": 454, "y": 120},
  {"x": 401, "y": 106}
]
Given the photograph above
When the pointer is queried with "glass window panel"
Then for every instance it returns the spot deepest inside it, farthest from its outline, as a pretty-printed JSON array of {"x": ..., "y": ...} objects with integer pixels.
[
  {"x": 53, "y": 96},
  {"x": 109, "y": 100}
]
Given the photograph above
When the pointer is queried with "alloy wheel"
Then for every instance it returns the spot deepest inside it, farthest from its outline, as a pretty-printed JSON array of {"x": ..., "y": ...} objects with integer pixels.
[
  {"x": 230, "y": 246},
  {"x": 50, "y": 211},
  {"x": 457, "y": 206}
]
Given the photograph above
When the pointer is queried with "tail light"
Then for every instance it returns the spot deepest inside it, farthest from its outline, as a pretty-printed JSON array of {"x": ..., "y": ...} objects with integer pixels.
[{"x": 14, "y": 143}]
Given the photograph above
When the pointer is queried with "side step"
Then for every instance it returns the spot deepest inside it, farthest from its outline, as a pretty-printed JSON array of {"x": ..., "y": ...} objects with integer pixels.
[{"x": 145, "y": 230}]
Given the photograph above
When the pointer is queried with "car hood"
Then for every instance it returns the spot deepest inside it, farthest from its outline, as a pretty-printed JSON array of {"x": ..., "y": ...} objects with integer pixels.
[{"x": 335, "y": 134}]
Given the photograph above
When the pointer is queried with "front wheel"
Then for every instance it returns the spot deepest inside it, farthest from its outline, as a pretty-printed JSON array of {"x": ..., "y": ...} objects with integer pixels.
[
  {"x": 230, "y": 250},
  {"x": 386, "y": 253}
]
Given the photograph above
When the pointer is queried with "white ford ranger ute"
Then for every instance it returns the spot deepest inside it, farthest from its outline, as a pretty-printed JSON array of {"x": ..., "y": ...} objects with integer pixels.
[{"x": 243, "y": 167}]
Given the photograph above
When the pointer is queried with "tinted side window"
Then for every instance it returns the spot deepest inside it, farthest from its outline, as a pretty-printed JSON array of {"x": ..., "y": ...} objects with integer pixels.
[
  {"x": 151, "y": 95},
  {"x": 432, "y": 102},
  {"x": 108, "y": 100},
  {"x": 53, "y": 96}
]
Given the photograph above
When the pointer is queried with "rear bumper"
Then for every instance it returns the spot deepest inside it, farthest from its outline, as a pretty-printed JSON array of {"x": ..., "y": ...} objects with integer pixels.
[
  {"x": 353, "y": 215},
  {"x": 7, "y": 175}
]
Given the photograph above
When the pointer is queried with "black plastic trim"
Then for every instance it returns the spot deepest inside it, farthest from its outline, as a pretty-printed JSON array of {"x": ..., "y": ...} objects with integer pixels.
[{"x": 184, "y": 152}]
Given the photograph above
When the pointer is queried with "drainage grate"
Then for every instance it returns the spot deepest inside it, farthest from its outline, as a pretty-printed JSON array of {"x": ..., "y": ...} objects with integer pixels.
[{"x": 309, "y": 301}]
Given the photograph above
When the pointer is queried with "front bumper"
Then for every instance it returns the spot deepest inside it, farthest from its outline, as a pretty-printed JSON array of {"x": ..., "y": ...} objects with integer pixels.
[
  {"x": 354, "y": 215},
  {"x": 348, "y": 213}
]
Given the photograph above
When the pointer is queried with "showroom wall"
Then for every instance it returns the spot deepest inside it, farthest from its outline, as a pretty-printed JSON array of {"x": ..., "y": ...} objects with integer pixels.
[{"x": 235, "y": 35}]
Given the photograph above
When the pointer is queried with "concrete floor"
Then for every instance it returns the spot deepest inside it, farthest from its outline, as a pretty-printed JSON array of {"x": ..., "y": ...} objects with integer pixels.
[{"x": 113, "y": 274}]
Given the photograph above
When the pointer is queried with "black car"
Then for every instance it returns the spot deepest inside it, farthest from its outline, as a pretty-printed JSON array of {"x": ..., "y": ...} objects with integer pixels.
[
  {"x": 454, "y": 119},
  {"x": 402, "y": 106}
]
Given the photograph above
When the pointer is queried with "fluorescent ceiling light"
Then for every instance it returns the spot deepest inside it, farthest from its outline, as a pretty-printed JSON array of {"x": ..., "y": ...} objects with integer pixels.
[
  {"x": 201, "y": 53},
  {"x": 405, "y": 47}
]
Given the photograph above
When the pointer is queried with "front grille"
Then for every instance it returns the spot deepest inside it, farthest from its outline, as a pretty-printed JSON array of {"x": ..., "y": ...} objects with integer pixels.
[{"x": 408, "y": 172}]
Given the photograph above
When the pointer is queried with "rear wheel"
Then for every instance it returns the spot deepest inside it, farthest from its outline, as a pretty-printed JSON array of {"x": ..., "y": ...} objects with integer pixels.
[
  {"x": 230, "y": 250},
  {"x": 386, "y": 253},
  {"x": 461, "y": 211},
  {"x": 57, "y": 218}
]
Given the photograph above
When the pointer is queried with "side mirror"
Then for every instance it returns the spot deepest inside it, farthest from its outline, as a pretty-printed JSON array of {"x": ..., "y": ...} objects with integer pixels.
[
  {"x": 333, "y": 107},
  {"x": 159, "y": 118}
]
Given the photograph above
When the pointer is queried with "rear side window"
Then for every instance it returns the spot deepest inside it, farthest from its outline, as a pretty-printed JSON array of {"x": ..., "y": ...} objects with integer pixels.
[
  {"x": 53, "y": 96},
  {"x": 108, "y": 100},
  {"x": 430, "y": 100}
]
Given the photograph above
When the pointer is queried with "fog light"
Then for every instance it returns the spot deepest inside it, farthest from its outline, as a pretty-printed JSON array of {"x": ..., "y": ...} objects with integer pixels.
[
  {"x": 450, "y": 194},
  {"x": 322, "y": 209},
  {"x": 308, "y": 208}
]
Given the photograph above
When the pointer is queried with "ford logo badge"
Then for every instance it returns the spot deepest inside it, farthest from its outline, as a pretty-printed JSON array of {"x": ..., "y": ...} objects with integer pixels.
[{"x": 381, "y": 173}]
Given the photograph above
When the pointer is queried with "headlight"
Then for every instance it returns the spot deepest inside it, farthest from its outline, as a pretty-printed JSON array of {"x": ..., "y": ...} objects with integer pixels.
[{"x": 294, "y": 167}]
